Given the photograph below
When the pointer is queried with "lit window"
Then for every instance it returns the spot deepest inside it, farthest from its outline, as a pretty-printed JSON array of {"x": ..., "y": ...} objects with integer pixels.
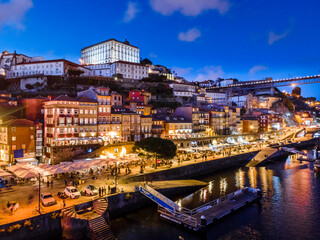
[{"x": 13, "y": 138}]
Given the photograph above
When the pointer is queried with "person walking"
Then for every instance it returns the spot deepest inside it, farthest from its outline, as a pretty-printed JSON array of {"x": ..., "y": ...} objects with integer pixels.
[
  {"x": 51, "y": 183},
  {"x": 64, "y": 203},
  {"x": 99, "y": 192},
  {"x": 66, "y": 182}
]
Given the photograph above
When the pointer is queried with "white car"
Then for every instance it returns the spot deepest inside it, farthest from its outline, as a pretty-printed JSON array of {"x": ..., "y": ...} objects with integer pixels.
[
  {"x": 47, "y": 199},
  {"x": 91, "y": 190},
  {"x": 72, "y": 192}
]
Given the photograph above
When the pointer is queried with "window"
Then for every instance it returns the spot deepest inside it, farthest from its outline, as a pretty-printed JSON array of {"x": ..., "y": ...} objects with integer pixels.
[
  {"x": 13, "y": 129},
  {"x": 23, "y": 146},
  {"x": 31, "y": 128},
  {"x": 75, "y": 130},
  {"x": 14, "y": 147},
  {"x": 61, "y": 111},
  {"x": 61, "y": 120},
  {"x": 31, "y": 137},
  {"x": 76, "y": 111},
  {"x": 13, "y": 138},
  {"x": 81, "y": 111}
]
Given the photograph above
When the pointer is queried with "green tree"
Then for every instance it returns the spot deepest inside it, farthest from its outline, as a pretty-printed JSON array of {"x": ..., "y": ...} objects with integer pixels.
[
  {"x": 296, "y": 91},
  {"x": 156, "y": 148},
  {"x": 75, "y": 72},
  {"x": 146, "y": 61}
]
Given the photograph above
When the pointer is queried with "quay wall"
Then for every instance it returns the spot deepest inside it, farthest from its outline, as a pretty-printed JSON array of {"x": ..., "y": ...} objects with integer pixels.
[{"x": 196, "y": 169}]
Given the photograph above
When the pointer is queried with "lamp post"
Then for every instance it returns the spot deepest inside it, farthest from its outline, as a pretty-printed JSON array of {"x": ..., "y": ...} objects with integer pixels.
[{"x": 39, "y": 193}]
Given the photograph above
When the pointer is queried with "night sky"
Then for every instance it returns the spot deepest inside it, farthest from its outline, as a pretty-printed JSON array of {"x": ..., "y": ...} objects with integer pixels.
[{"x": 200, "y": 39}]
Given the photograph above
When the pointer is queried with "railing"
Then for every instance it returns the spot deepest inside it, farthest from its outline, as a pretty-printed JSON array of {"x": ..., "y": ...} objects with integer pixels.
[
  {"x": 221, "y": 200},
  {"x": 183, "y": 217},
  {"x": 159, "y": 196}
]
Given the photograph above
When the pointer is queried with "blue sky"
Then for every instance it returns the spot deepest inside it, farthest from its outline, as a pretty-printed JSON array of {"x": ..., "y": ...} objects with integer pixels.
[{"x": 200, "y": 39}]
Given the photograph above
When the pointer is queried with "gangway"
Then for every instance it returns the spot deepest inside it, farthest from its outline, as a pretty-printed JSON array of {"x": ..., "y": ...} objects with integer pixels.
[
  {"x": 303, "y": 154},
  {"x": 205, "y": 214},
  {"x": 159, "y": 199}
]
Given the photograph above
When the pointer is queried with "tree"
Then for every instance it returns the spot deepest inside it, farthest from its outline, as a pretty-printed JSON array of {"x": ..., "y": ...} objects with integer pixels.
[
  {"x": 75, "y": 72},
  {"x": 296, "y": 91},
  {"x": 156, "y": 148},
  {"x": 118, "y": 76},
  {"x": 146, "y": 61}
]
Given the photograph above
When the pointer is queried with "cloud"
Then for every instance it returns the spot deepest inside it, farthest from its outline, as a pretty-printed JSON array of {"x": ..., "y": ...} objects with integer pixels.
[
  {"x": 276, "y": 37},
  {"x": 190, "y": 35},
  {"x": 153, "y": 55},
  {"x": 209, "y": 73},
  {"x": 189, "y": 7},
  {"x": 256, "y": 69},
  {"x": 131, "y": 12},
  {"x": 181, "y": 71},
  {"x": 12, "y": 12}
]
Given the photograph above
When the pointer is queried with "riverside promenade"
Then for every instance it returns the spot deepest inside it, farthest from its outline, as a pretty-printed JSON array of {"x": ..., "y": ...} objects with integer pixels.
[{"x": 125, "y": 185}]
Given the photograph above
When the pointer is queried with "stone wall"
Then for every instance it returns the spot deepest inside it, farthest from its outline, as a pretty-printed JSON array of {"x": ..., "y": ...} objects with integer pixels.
[{"x": 196, "y": 170}]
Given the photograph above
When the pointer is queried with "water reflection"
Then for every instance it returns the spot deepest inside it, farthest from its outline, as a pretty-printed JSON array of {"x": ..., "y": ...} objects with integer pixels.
[
  {"x": 290, "y": 208},
  {"x": 223, "y": 186}
]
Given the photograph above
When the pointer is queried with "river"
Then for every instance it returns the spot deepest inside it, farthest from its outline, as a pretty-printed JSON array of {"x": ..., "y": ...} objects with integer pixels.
[{"x": 290, "y": 208}]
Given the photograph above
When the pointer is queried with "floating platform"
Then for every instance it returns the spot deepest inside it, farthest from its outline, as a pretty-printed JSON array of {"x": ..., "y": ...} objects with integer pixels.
[{"x": 205, "y": 214}]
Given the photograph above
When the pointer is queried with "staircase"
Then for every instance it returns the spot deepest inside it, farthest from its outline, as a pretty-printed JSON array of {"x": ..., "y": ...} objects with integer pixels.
[
  {"x": 100, "y": 229},
  {"x": 159, "y": 199},
  {"x": 70, "y": 212},
  {"x": 100, "y": 206}
]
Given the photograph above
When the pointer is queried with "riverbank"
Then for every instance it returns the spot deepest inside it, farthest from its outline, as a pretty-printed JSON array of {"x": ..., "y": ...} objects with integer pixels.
[{"x": 50, "y": 225}]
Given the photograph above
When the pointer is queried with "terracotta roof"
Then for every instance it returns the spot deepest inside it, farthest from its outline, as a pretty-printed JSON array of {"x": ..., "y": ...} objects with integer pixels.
[
  {"x": 55, "y": 60},
  {"x": 19, "y": 123},
  {"x": 85, "y": 99},
  {"x": 65, "y": 98}
]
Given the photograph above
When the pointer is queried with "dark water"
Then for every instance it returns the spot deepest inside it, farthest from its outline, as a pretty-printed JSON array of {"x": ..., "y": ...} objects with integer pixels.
[{"x": 290, "y": 208}]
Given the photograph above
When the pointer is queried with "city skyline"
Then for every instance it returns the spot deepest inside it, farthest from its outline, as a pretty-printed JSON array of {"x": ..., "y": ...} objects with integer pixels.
[{"x": 201, "y": 43}]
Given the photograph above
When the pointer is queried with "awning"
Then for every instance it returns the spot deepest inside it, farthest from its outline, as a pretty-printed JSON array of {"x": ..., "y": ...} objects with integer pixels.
[{"x": 26, "y": 160}]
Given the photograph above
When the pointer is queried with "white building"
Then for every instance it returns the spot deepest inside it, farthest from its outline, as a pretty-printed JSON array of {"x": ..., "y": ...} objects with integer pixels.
[
  {"x": 102, "y": 70},
  {"x": 224, "y": 82},
  {"x": 57, "y": 67},
  {"x": 129, "y": 70},
  {"x": 218, "y": 97},
  {"x": 7, "y": 60},
  {"x": 110, "y": 51},
  {"x": 240, "y": 100},
  {"x": 183, "y": 90}
]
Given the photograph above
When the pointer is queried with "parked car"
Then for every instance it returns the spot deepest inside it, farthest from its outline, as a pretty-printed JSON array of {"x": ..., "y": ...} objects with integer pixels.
[
  {"x": 91, "y": 190},
  {"x": 72, "y": 192},
  {"x": 62, "y": 195},
  {"x": 47, "y": 199}
]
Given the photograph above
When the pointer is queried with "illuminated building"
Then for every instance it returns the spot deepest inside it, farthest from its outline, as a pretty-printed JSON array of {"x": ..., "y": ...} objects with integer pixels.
[
  {"x": 110, "y": 51},
  {"x": 20, "y": 141},
  {"x": 70, "y": 122}
]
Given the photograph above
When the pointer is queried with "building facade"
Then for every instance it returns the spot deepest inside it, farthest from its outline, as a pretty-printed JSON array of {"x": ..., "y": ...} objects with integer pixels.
[{"x": 110, "y": 51}]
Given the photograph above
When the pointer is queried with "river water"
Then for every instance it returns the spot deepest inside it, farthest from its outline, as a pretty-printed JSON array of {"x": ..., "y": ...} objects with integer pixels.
[{"x": 290, "y": 208}]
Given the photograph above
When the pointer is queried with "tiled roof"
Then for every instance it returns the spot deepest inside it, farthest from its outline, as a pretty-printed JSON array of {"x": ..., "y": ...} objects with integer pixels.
[{"x": 19, "y": 123}]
